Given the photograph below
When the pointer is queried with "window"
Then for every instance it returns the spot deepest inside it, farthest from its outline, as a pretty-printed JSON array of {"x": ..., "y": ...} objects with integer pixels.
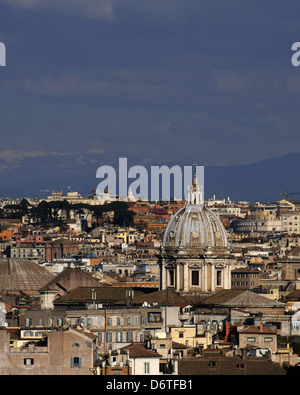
[
  {"x": 195, "y": 277},
  {"x": 90, "y": 322},
  {"x": 219, "y": 278},
  {"x": 268, "y": 339},
  {"x": 28, "y": 322},
  {"x": 119, "y": 321},
  {"x": 143, "y": 320},
  {"x": 73, "y": 321},
  {"x": 146, "y": 368},
  {"x": 119, "y": 337},
  {"x": 109, "y": 337},
  {"x": 28, "y": 334},
  {"x": 181, "y": 334},
  {"x": 109, "y": 321},
  {"x": 154, "y": 317},
  {"x": 250, "y": 339},
  {"x": 129, "y": 337},
  {"x": 28, "y": 361},
  {"x": 129, "y": 321},
  {"x": 171, "y": 277},
  {"x": 83, "y": 321},
  {"x": 76, "y": 345},
  {"x": 295, "y": 325},
  {"x": 75, "y": 362},
  {"x": 151, "y": 317}
]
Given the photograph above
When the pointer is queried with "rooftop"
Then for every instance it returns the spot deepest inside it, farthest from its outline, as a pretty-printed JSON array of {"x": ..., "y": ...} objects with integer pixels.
[
  {"x": 251, "y": 299},
  {"x": 224, "y": 365},
  {"x": 81, "y": 295},
  {"x": 22, "y": 275},
  {"x": 137, "y": 350}
]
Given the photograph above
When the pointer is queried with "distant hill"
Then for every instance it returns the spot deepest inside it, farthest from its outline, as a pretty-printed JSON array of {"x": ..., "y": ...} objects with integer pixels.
[{"x": 261, "y": 181}]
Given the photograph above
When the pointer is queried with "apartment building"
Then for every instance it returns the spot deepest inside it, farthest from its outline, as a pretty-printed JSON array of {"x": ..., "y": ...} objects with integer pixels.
[
  {"x": 113, "y": 326},
  {"x": 56, "y": 352},
  {"x": 244, "y": 278},
  {"x": 291, "y": 222},
  {"x": 263, "y": 337},
  {"x": 133, "y": 359},
  {"x": 28, "y": 251}
]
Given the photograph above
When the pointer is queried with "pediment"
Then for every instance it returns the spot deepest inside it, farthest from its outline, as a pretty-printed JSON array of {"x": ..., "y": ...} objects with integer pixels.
[
  {"x": 170, "y": 265},
  {"x": 195, "y": 266},
  {"x": 219, "y": 266}
]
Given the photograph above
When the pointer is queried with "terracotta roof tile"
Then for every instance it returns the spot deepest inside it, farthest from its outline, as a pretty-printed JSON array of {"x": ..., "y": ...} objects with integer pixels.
[
  {"x": 228, "y": 366},
  {"x": 102, "y": 295},
  {"x": 138, "y": 350},
  {"x": 22, "y": 275},
  {"x": 162, "y": 297}
]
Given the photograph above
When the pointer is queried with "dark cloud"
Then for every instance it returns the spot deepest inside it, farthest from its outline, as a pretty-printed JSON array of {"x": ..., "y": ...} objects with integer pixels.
[{"x": 169, "y": 80}]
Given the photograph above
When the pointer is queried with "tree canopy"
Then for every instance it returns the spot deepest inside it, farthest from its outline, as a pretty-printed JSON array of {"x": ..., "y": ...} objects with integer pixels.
[{"x": 56, "y": 212}]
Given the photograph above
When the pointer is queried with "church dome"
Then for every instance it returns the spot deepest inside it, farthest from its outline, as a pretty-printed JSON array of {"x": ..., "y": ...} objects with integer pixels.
[
  {"x": 195, "y": 226},
  {"x": 195, "y": 253}
]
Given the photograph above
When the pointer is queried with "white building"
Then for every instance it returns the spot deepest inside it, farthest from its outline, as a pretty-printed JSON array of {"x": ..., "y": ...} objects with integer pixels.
[{"x": 142, "y": 361}]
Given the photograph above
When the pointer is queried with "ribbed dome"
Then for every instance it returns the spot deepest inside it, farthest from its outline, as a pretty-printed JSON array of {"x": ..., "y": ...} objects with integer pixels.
[
  {"x": 251, "y": 299},
  {"x": 22, "y": 275},
  {"x": 195, "y": 226}
]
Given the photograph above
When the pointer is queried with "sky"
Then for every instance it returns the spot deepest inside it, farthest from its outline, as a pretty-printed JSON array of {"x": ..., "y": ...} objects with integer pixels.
[{"x": 209, "y": 81}]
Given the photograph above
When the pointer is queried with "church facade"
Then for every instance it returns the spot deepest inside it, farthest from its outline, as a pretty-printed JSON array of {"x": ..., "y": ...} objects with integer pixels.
[{"x": 195, "y": 254}]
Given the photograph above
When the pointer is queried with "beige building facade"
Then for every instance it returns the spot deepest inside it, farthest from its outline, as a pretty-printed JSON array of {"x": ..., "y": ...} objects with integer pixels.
[
  {"x": 262, "y": 337},
  {"x": 291, "y": 222},
  {"x": 63, "y": 352}
]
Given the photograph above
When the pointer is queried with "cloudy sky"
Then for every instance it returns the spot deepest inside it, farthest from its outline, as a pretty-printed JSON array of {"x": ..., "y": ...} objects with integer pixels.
[{"x": 169, "y": 80}]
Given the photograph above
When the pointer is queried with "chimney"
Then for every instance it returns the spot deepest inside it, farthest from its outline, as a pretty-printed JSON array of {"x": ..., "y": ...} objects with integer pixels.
[{"x": 261, "y": 327}]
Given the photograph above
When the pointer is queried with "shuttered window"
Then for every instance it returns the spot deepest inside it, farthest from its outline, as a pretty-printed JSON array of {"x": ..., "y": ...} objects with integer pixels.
[{"x": 75, "y": 362}]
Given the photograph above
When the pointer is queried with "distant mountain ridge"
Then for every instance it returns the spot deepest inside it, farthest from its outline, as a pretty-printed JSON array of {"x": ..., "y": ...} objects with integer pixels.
[
  {"x": 35, "y": 176},
  {"x": 261, "y": 181}
]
